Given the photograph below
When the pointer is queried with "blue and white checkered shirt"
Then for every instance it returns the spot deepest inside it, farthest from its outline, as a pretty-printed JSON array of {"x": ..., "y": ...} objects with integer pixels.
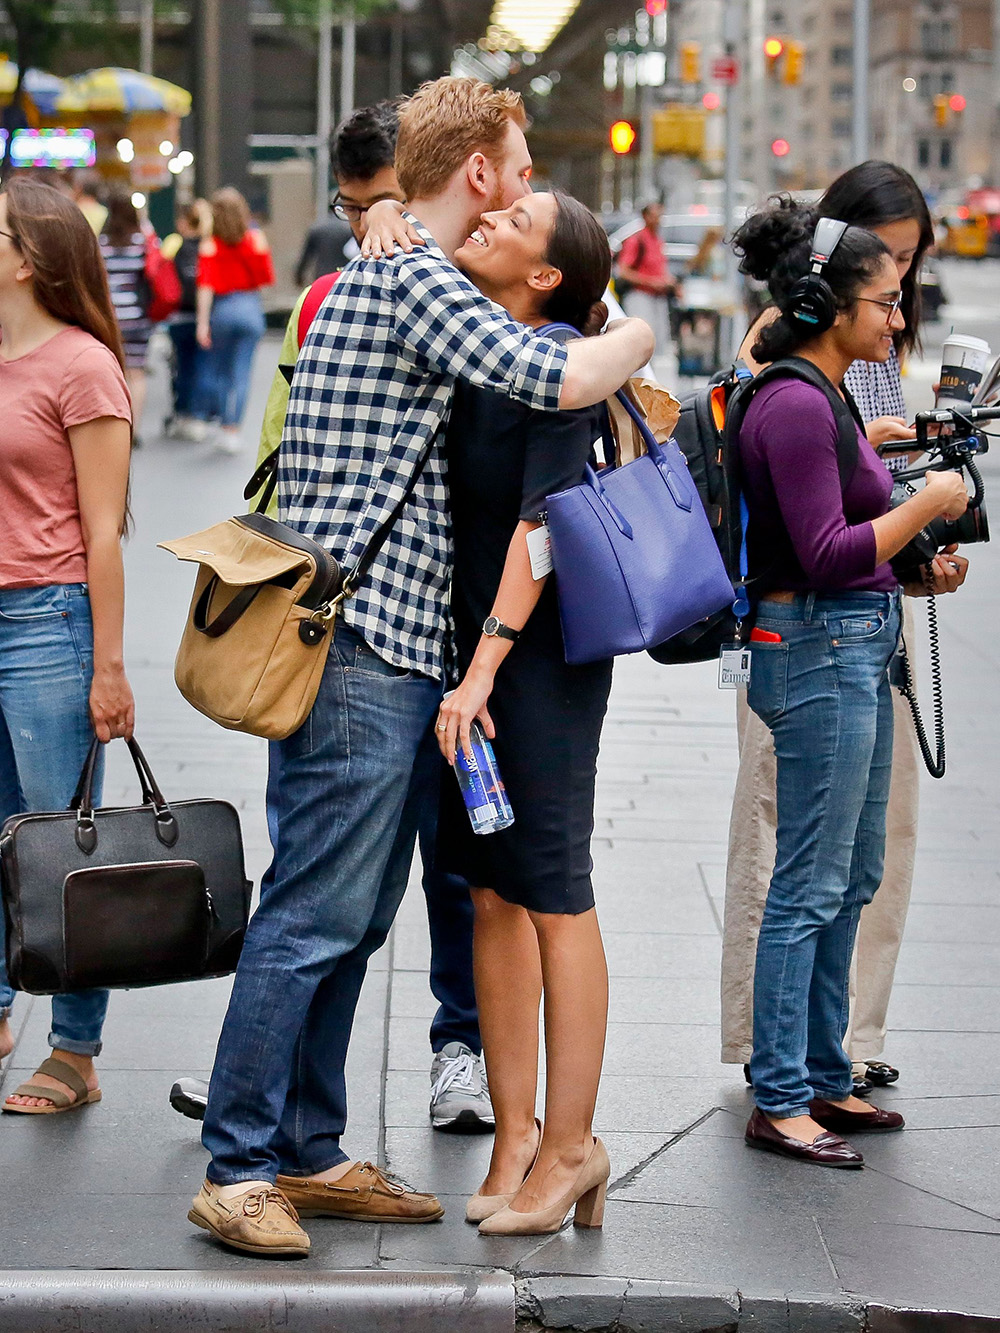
[{"x": 373, "y": 383}]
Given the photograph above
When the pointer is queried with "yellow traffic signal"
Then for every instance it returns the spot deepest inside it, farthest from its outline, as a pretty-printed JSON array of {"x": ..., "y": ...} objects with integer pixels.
[
  {"x": 794, "y": 59},
  {"x": 690, "y": 53},
  {"x": 941, "y": 109},
  {"x": 622, "y": 137}
]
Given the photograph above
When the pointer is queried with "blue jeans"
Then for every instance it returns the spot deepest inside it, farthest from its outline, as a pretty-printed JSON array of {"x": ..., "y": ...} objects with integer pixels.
[
  {"x": 237, "y": 328},
  {"x": 824, "y": 693},
  {"x": 347, "y": 818},
  {"x": 46, "y": 665},
  {"x": 450, "y": 915},
  {"x": 189, "y": 368}
]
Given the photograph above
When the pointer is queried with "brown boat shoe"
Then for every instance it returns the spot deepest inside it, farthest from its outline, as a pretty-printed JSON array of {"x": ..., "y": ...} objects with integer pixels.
[
  {"x": 261, "y": 1222},
  {"x": 364, "y": 1194}
]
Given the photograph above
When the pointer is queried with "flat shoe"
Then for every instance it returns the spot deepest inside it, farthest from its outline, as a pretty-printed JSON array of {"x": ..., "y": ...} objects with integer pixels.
[
  {"x": 65, "y": 1073},
  {"x": 260, "y": 1222},
  {"x": 880, "y": 1074},
  {"x": 835, "y": 1118},
  {"x": 363, "y": 1194},
  {"x": 826, "y": 1150}
]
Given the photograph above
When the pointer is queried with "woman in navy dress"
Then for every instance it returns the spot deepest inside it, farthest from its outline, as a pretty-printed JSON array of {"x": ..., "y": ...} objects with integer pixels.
[{"x": 545, "y": 259}]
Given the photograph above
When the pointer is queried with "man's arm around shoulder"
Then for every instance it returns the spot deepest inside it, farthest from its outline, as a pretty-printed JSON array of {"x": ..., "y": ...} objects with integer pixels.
[{"x": 597, "y": 367}]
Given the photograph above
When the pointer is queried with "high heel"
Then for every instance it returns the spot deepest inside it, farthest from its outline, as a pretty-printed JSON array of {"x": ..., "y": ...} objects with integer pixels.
[
  {"x": 481, "y": 1206},
  {"x": 588, "y": 1193}
]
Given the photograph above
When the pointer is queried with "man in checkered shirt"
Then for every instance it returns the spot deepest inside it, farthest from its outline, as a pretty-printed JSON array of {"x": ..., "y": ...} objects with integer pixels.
[{"x": 372, "y": 387}]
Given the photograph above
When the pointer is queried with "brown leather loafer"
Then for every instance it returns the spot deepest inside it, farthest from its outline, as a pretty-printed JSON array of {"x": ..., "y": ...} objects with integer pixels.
[
  {"x": 827, "y": 1150},
  {"x": 261, "y": 1222},
  {"x": 364, "y": 1194},
  {"x": 874, "y": 1120}
]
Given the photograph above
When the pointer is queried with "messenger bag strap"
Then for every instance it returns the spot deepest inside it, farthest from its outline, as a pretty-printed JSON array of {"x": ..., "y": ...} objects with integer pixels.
[{"x": 379, "y": 536}]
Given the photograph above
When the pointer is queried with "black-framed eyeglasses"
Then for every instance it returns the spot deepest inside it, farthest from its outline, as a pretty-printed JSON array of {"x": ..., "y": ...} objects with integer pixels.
[
  {"x": 890, "y": 307},
  {"x": 348, "y": 212}
]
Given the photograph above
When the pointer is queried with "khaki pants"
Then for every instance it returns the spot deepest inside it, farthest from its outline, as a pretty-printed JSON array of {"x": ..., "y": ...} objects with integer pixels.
[{"x": 748, "y": 875}]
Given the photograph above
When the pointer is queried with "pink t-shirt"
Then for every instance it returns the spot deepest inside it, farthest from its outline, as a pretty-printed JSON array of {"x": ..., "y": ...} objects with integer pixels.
[{"x": 69, "y": 380}]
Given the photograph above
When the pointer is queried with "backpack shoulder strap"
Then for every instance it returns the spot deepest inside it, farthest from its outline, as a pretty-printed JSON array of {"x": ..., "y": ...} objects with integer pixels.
[
  {"x": 315, "y": 297},
  {"x": 844, "y": 409}
]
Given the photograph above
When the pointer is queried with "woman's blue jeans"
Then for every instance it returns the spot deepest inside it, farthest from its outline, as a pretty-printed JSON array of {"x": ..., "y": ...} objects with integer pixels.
[
  {"x": 46, "y": 665},
  {"x": 824, "y": 692},
  {"x": 237, "y": 328}
]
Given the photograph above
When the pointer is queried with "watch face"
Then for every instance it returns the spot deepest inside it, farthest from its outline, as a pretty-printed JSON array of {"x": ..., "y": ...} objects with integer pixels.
[{"x": 491, "y": 626}]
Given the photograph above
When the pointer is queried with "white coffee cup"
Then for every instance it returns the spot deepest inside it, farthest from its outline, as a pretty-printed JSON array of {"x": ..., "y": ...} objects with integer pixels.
[{"x": 963, "y": 365}]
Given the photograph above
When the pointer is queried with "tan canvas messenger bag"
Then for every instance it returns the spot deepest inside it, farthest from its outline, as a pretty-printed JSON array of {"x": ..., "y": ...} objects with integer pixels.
[{"x": 258, "y": 630}]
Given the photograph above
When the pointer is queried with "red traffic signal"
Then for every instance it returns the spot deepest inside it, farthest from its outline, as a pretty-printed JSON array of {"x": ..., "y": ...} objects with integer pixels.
[
  {"x": 773, "y": 48},
  {"x": 711, "y": 101},
  {"x": 957, "y": 102},
  {"x": 622, "y": 137},
  {"x": 781, "y": 147},
  {"x": 654, "y": 8}
]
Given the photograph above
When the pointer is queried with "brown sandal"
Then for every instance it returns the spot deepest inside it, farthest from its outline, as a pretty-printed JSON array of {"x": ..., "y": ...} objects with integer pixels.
[{"x": 65, "y": 1073}]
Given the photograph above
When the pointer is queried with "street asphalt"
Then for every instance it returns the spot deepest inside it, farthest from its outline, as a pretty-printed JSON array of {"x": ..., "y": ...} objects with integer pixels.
[{"x": 700, "y": 1232}]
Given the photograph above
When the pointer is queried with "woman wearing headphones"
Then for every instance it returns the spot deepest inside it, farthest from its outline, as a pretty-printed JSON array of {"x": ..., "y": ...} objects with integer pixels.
[
  {"x": 885, "y": 199},
  {"x": 827, "y": 626}
]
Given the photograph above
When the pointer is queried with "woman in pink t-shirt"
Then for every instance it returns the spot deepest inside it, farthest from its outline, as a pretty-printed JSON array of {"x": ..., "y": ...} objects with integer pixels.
[{"x": 64, "y": 461}]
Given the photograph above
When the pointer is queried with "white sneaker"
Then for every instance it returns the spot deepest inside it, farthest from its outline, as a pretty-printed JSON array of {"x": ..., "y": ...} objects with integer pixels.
[
  {"x": 460, "y": 1094},
  {"x": 228, "y": 441}
]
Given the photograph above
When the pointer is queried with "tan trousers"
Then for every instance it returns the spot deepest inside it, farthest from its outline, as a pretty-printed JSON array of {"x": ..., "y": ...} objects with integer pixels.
[{"x": 748, "y": 875}]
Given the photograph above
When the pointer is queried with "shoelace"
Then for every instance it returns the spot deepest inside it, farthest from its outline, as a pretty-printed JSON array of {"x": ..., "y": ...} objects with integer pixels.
[
  {"x": 457, "y": 1073},
  {"x": 255, "y": 1204},
  {"x": 393, "y": 1183}
]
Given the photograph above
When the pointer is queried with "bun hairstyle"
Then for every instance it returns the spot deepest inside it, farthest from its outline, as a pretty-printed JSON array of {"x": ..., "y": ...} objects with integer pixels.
[
  {"x": 578, "y": 247},
  {"x": 775, "y": 245}
]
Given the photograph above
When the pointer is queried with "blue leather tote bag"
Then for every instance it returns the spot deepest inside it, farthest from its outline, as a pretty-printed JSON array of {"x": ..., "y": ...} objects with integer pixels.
[{"x": 635, "y": 559}]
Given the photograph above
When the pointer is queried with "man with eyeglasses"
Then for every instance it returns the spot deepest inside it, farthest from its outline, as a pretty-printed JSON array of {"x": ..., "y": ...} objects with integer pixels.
[{"x": 363, "y": 151}]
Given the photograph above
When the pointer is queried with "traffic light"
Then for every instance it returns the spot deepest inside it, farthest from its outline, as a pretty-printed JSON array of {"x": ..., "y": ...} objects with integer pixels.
[
  {"x": 956, "y": 103},
  {"x": 680, "y": 128},
  {"x": 622, "y": 137},
  {"x": 690, "y": 53},
  {"x": 794, "y": 58},
  {"x": 773, "y": 49},
  {"x": 781, "y": 147},
  {"x": 941, "y": 109},
  {"x": 654, "y": 8}
]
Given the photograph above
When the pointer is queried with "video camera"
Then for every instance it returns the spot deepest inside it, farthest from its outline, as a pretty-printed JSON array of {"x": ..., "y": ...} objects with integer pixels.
[{"x": 951, "y": 438}]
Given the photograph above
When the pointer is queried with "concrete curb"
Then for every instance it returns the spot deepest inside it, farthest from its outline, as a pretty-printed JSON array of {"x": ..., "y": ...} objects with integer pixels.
[
  {"x": 69, "y": 1301},
  {"x": 617, "y": 1305}
]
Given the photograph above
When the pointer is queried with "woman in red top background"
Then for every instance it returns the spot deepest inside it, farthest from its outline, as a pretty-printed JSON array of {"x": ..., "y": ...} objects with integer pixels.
[{"x": 235, "y": 263}]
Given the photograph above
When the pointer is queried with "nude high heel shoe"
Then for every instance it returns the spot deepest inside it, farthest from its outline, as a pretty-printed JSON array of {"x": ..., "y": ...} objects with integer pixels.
[
  {"x": 587, "y": 1192},
  {"x": 482, "y": 1206}
]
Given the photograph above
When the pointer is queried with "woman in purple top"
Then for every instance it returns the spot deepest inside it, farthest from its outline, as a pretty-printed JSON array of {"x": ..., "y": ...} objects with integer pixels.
[{"x": 827, "y": 626}]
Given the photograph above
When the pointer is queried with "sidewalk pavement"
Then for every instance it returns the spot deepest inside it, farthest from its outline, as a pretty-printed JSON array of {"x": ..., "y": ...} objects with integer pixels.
[{"x": 700, "y": 1232}]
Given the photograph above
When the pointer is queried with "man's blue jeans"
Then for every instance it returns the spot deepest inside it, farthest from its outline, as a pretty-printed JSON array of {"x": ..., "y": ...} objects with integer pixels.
[
  {"x": 450, "y": 916},
  {"x": 46, "y": 665},
  {"x": 824, "y": 692},
  {"x": 346, "y": 832}
]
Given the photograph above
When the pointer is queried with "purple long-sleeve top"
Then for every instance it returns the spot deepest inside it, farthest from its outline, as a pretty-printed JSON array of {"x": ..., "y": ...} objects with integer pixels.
[{"x": 805, "y": 534}]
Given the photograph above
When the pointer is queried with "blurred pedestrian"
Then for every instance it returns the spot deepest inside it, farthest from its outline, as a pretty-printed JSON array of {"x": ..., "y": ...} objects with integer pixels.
[
  {"x": 123, "y": 244},
  {"x": 323, "y": 249},
  {"x": 88, "y": 190},
  {"x": 63, "y": 485},
  {"x": 190, "y": 359},
  {"x": 235, "y": 264},
  {"x": 643, "y": 275},
  {"x": 544, "y": 259},
  {"x": 886, "y": 200},
  {"x": 827, "y": 627}
]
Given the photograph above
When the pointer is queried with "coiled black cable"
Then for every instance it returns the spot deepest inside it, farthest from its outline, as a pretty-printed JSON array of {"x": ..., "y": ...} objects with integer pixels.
[{"x": 935, "y": 763}]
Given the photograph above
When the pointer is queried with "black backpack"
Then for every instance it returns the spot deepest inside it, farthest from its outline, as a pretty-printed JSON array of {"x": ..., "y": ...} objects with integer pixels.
[{"x": 708, "y": 432}]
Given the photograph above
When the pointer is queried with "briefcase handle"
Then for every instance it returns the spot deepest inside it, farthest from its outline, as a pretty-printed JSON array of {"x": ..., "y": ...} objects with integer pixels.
[{"x": 83, "y": 799}]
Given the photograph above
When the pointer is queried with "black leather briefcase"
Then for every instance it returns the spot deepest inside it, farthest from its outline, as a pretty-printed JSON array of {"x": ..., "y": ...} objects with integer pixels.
[{"x": 140, "y": 896}]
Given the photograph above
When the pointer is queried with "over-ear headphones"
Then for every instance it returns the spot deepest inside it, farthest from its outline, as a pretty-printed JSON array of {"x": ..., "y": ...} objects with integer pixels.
[{"x": 811, "y": 301}]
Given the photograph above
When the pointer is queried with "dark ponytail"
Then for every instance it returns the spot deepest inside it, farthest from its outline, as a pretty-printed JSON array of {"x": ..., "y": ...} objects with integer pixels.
[
  {"x": 578, "y": 247},
  {"x": 774, "y": 246}
]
